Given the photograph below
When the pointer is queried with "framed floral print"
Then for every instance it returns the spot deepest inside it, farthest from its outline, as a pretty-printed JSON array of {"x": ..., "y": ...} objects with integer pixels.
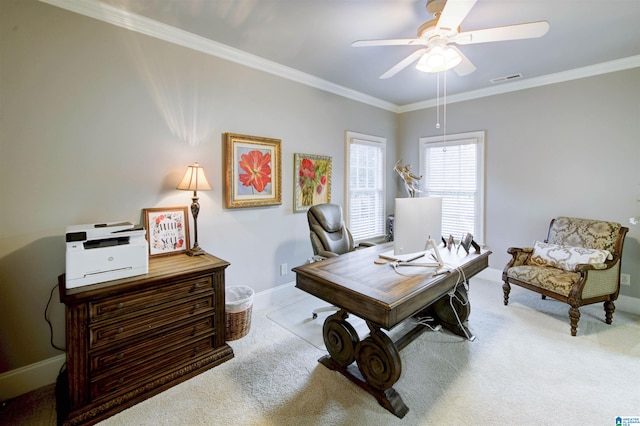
[
  {"x": 312, "y": 181},
  {"x": 167, "y": 230},
  {"x": 253, "y": 171}
]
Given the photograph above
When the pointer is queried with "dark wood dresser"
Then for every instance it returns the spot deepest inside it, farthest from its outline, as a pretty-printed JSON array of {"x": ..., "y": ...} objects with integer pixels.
[{"x": 132, "y": 338}]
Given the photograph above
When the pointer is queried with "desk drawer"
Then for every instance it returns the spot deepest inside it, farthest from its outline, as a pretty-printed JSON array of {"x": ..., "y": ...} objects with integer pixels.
[
  {"x": 149, "y": 322},
  {"x": 126, "y": 379},
  {"x": 123, "y": 304},
  {"x": 147, "y": 348}
]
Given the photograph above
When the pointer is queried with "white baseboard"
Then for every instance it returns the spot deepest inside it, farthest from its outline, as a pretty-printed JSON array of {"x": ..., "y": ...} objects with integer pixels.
[
  {"x": 25, "y": 379},
  {"x": 276, "y": 295},
  {"x": 30, "y": 377}
]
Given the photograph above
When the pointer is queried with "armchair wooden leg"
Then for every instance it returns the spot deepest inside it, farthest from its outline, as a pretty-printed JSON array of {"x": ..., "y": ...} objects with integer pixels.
[
  {"x": 609, "y": 307},
  {"x": 574, "y": 316},
  {"x": 506, "y": 289}
]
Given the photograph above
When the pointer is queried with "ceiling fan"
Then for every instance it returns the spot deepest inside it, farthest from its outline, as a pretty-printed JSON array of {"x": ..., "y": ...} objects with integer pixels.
[{"x": 436, "y": 36}]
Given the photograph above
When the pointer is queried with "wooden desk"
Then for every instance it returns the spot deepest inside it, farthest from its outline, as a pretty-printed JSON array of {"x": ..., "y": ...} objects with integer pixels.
[{"x": 384, "y": 298}]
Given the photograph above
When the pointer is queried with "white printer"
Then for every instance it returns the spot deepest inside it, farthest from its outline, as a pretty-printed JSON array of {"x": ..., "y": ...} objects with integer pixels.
[{"x": 105, "y": 251}]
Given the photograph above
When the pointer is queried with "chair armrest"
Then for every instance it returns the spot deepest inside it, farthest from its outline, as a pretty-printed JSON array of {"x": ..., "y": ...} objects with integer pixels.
[
  {"x": 520, "y": 256},
  {"x": 327, "y": 254},
  {"x": 584, "y": 267},
  {"x": 598, "y": 279},
  {"x": 366, "y": 244}
]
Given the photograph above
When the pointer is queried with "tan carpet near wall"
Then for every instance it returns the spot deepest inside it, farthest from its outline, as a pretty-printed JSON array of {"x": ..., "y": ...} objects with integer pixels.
[{"x": 524, "y": 368}]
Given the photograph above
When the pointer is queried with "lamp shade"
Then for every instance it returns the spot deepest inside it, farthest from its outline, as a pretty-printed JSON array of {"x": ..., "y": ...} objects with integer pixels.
[
  {"x": 438, "y": 59},
  {"x": 194, "y": 179}
]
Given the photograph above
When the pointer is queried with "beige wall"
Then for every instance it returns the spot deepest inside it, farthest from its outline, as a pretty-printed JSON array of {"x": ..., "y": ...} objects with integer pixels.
[
  {"x": 99, "y": 122},
  {"x": 568, "y": 149}
]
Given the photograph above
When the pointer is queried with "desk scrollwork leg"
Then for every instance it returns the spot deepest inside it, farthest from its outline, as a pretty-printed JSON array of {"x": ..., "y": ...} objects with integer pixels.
[
  {"x": 379, "y": 364},
  {"x": 340, "y": 338},
  {"x": 378, "y": 360}
]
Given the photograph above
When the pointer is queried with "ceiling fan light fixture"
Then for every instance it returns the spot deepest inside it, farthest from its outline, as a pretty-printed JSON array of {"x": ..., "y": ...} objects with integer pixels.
[{"x": 438, "y": 59}]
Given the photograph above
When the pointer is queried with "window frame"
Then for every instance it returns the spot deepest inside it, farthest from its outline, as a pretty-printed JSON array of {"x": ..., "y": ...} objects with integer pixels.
[
  {"x": 361, "y": 138},
  {"x": 478, "y": 138}
]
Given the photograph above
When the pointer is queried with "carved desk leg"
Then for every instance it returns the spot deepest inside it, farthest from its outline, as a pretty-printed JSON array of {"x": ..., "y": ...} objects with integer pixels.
[
  {"x": 454, "y": 311},
  {"x": 379, "y": 363},
  {"x": 340, "y": 338},
  {"x": 377, "y": 358}
]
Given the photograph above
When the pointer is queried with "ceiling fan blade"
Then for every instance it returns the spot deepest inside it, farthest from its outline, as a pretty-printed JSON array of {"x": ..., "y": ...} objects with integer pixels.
[
  {"x": 510, "y": 32},
  {"x": 388, "y": 42},
  {"x": 453, "y": 14},
  {"x": 403, "y": 63},
  {"x": 465, "y": 67}
]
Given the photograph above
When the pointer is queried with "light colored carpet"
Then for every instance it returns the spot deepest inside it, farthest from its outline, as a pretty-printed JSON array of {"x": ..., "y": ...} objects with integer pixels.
[
  {"x": 524, "y": 368},
  {"x": 297, "y": 318}
]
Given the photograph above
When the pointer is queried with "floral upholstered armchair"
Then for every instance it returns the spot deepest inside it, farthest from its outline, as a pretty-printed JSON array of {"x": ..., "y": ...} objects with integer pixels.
[{"x": 578, "y": 263}]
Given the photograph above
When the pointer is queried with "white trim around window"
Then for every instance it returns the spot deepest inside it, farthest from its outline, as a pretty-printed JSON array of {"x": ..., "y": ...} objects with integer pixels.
[
  {"x": 365, "y": 174},
  {"x": 453, "y": 168}
]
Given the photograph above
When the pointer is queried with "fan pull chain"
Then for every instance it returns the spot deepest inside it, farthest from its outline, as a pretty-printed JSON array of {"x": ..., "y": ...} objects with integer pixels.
[
  {"x": 438, "y": 102},
  {"x": 444, "y": 130}
]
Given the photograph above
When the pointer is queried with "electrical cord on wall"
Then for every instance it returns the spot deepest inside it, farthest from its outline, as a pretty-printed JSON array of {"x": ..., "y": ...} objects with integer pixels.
[{"x": 46, "y": 318}]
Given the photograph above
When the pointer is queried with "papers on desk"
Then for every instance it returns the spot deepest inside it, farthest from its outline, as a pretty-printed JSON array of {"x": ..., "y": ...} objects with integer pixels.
[{"x": 421, "y": 258}]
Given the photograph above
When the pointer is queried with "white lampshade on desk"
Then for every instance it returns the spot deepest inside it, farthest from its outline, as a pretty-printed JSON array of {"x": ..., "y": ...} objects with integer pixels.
[{"x": 194, "y": 180}]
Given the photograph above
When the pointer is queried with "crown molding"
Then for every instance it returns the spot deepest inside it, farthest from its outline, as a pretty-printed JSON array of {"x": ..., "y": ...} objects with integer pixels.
[
  {"x": 131, "y": 21},
  {"x": 514, "y": 86}
]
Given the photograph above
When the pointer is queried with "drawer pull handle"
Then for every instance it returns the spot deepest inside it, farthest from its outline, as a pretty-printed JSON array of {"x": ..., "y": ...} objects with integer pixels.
[
  {"x": 120, "y": 355},
  {"x": 120, "y": 329},
  {"x": 120, "y": 380},
  {"x": 196, "y": 306},
  {"x": 120, "y": 305}
]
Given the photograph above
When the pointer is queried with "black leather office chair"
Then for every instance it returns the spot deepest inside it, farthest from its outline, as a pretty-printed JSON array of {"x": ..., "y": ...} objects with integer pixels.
[{"x": 329, "y": 236}]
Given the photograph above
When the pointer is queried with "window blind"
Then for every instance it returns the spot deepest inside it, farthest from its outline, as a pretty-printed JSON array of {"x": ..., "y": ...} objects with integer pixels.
[
  {"x": 453, "y": 171},
  {"x": 366, "y": 189}
]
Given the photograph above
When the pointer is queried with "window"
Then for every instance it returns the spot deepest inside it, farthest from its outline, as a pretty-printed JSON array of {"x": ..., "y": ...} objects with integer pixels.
[
  {"x": 454, "y": 170},
  {"x": 365, "y": 177}
]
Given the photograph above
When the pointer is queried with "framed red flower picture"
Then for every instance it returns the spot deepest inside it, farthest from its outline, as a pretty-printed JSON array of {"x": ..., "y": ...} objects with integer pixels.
[
  {"x": 253, "y": 171},
  {"x": 167, "y": 230},
  {"x": 311, "y": 181}
]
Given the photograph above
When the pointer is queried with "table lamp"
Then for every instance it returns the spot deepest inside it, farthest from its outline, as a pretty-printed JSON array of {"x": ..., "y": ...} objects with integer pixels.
[{"x": 194, "y": 180}]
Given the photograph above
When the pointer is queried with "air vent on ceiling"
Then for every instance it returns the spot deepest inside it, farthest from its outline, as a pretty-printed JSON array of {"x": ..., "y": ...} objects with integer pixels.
[{"x": 507, "y": 78}]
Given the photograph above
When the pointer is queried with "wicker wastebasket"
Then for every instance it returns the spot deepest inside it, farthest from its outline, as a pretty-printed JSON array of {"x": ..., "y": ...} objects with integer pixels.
[{"x": 238, "y": 305}]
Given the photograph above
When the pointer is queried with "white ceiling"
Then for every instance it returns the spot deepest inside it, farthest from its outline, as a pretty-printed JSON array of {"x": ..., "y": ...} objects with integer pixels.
[{"x": 314, "y": 37}]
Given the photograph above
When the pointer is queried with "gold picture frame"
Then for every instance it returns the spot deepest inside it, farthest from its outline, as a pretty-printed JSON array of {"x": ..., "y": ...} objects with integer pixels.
[
  {"x": 253, "y": 171},
  {"x": 167, "y": 230},
  {"x": 311, "y": 181}
]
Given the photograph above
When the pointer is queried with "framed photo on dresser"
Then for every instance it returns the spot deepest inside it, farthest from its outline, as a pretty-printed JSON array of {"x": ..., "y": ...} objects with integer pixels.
[{"x": 167, "y": 230}]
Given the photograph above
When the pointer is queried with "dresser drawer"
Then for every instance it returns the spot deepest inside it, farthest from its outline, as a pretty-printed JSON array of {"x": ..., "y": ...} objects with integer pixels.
[
  {"x": 123, "y": 304},
  {"x": 127, "y": 379},
  {"x": 147, "y": 348},
  {"x": 152, "y": 321}
]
